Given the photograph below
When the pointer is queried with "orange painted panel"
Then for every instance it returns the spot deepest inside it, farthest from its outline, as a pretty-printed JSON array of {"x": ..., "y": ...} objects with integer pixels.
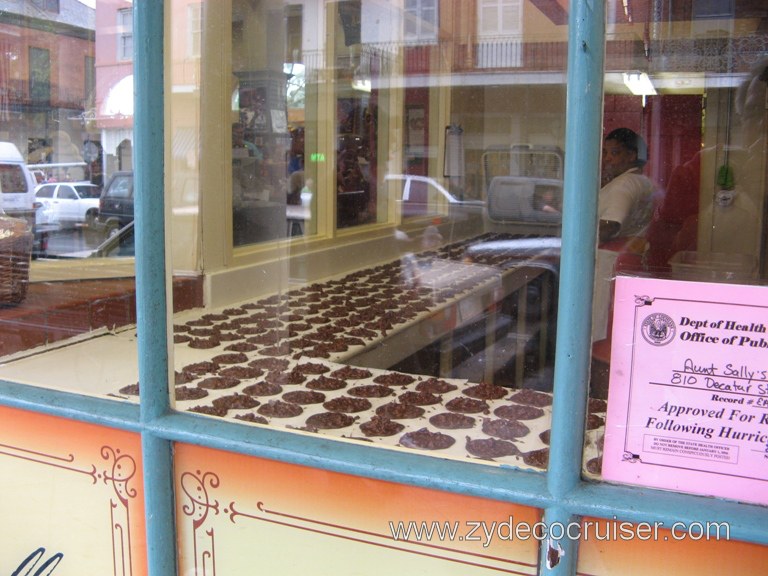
[
  {"x": 72, "y": 497},
  {"x": 236, "y": 513}
]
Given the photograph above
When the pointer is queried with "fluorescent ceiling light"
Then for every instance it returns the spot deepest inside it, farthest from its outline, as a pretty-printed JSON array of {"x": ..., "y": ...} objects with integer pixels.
[
  {"x": 639, "y": 84},
  {"x": 364, "y": 85}
]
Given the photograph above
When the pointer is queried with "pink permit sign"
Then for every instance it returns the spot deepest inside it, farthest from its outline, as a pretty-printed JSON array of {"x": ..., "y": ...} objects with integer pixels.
[{"x": 688, "y": 396}]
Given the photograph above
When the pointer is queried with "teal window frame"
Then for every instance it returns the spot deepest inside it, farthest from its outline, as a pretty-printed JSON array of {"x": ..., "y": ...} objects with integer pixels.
[{"x": 560, "y": 492}]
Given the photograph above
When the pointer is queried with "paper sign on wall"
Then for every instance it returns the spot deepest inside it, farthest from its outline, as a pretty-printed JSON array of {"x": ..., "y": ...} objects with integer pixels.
[{"x": 688, "y": 397}]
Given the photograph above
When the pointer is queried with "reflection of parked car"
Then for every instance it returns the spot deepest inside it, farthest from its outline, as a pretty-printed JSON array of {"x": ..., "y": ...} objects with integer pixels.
[
  {"x": 424, "y": 196},
  {"x": 67, "y": 204},
  {"x": 116, "y": 203}
]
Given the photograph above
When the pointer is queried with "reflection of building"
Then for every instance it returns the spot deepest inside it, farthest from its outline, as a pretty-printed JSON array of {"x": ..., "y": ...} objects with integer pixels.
[
  {"x": 501, "y": 66},
  {"x": 522, "y": 46},
  {"x": 114, "y": 82},
  {"x": 46, "y": 74},
  {"x": 114, "y": 73},
  {"x": 400, "y": 72}
]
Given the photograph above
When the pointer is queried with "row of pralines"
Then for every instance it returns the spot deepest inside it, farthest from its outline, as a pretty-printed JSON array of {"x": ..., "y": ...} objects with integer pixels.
[
  {"x": 332, "y": 330},
  {"x": 374, "y": 300},
  {"x": 374, "y": 314},
  {"x": 341, "y": 412}
]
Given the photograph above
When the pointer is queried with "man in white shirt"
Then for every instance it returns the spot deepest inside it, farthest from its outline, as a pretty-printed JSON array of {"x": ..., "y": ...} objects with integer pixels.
[
  {"x": 624, "y": 203},
  {"x": 624, "y": 207}
]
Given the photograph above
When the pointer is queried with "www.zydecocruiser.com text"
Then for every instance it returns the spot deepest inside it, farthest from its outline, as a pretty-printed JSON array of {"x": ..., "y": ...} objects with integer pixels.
[{"x": 486, "y": 532}]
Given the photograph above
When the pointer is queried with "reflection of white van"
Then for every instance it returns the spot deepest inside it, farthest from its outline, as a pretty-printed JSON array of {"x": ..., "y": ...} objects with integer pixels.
[
  {"x": 17, "y": 186},
  {"x": 17, "y": 191}
]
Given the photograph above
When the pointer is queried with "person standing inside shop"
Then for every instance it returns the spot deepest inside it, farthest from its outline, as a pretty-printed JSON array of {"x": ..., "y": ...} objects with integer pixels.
[
  {"x": 240, "y": 143},
  {"x": 296, "y": 152},
  {"x": 624, "y": 207},
  {"x": 624, "y": 203}
]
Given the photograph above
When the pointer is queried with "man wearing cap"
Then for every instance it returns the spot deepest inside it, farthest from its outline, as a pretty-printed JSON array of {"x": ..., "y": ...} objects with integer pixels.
[
  {"x": 624, "y": 207},
  {"x": 624, "y": 204}
]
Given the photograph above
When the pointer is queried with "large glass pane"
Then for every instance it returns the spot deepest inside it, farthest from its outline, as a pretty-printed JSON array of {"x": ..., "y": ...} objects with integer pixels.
[
  {"x": 378, "y": 246},
  {"x": 66, "y": 140},
  {"x": 684, "y": 167}
]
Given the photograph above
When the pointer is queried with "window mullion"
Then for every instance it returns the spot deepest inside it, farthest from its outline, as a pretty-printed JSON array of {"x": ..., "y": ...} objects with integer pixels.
[
  {"x": 582, "y": 158},
  {"x": 586, "y": 53},
  {"x": 151, "y": 293}
]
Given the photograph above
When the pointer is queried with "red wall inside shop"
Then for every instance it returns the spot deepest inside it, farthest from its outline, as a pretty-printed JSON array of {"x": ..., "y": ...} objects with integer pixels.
[{"x": 671, "y": 126}]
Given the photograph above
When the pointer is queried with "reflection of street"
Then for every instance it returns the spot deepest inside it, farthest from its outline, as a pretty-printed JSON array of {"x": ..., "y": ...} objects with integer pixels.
[{"x": 73, "y": 243}]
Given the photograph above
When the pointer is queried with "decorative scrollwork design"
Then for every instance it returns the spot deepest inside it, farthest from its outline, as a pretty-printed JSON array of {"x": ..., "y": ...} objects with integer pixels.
[
  {"x": 643, "y": 300},
  {"x": 234, "y": 512},
  {"x": 195, "y": 487},
  {"x": 631, "y": 458},
  {"x": 122, "y": 472},
  {"x": 736, "y": 54}
]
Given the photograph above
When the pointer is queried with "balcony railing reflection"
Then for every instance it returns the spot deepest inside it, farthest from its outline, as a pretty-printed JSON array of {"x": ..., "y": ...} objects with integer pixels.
[
  {"x": 713, "y": 55},
  {"x": 18, "y": 93}
]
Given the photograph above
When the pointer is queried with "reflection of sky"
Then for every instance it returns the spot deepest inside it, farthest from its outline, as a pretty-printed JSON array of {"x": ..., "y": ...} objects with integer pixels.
[
  {"x": 92, "y": 3},
  {"x": 119, "y": 101}
]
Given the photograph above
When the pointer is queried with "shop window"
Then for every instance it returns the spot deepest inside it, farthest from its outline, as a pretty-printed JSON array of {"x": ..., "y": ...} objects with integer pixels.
[
  {"x": 64, "y": 113},
  {"x": 498, "y": 29},
  {"x": 194, "y": 29},
  {"x": 366, "y": 249},
  {"x": 421, "y": 21},
  {"x": 294, "y": 37},
  {"x": 351, "y": 20},
  {"x": 47, "y": 5},
  {"x": 499, "y": 17},
  {"x": 383, "y": 295},
  {"x": 712, "y": 9},
  {"x": 360, "y": 206},
  {"x": 39, "y": 74},
  {"x": 125, "y": 34},
  {"x": 444, "y": 200},
  {"x": 89, "y": 80}
]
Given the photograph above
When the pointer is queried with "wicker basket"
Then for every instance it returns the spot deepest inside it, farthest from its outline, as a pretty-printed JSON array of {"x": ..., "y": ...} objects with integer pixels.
[{"x": 15, "y": 253}]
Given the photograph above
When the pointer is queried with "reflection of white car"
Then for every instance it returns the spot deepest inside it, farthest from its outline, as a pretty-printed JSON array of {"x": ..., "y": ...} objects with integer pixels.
[
  {"x": 67, "y": 204},
  {"x": 423, "y": 196}
]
